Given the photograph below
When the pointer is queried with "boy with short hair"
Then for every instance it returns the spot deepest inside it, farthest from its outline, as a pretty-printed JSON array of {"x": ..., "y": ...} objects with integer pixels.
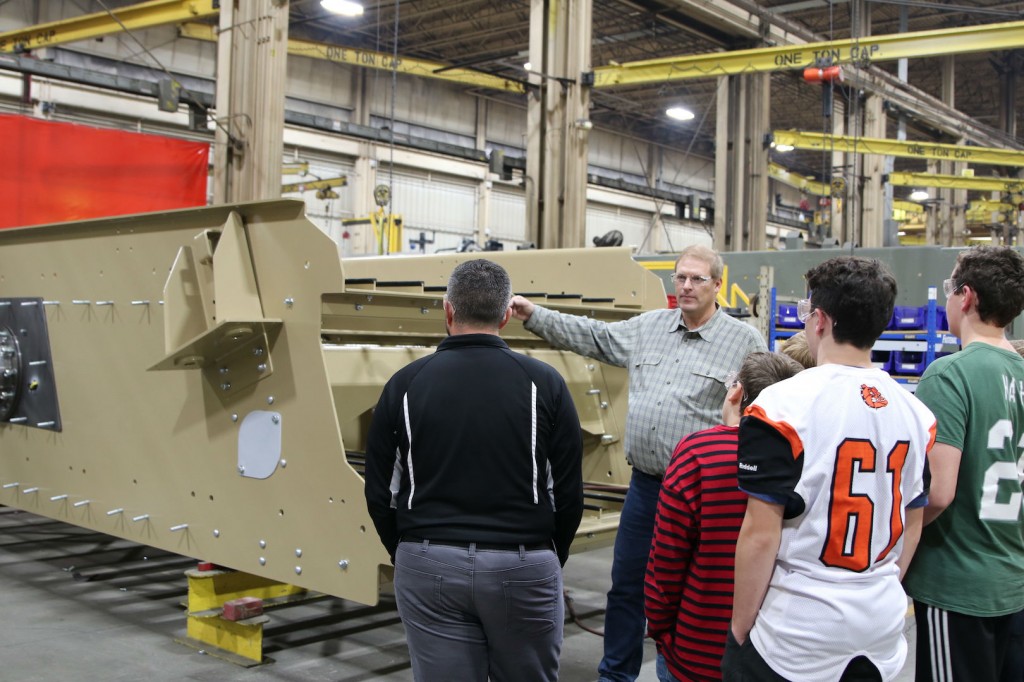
[
  {"x": 688, "y": 587},
  {"x": 967, "y": 579},
  {"x": 796, "y": 348},
  {"x": 833, "y": 461}
]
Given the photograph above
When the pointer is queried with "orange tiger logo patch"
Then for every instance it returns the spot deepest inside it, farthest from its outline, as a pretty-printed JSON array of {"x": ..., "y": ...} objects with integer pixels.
[{"x": 872, "y": 397}]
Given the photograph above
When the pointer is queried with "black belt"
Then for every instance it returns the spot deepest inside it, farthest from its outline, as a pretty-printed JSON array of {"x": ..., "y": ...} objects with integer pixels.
[{"x": 492, "y": 546}]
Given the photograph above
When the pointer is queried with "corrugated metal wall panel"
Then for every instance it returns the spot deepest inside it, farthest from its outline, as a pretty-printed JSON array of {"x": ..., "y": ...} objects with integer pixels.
[
  {"x": 431, "y": 203},
  {"x": 508, "y": 215},
  {"x": 632, "y": 224},
  {"x": 680, "y": 235}
]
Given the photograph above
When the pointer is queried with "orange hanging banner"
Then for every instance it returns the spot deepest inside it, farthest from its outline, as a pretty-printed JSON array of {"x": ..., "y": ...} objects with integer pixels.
[{"x": 54, "y": 172}]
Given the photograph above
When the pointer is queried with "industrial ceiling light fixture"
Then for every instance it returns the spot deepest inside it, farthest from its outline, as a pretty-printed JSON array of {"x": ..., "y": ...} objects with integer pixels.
[
  {"x": 679, "y": 113},
  {"x": 919, "y": 195},
  {"x": 345, "y": 8}
]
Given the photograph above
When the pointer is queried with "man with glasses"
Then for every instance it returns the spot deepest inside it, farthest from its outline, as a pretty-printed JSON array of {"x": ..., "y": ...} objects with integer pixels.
[
  {"x": 967, "y": 579},
  {"x": 678, "y": 361},
  {"x": 833, "y": 463}
]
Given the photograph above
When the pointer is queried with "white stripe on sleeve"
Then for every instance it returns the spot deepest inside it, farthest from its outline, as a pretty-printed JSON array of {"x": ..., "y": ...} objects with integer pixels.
[
  {"x": 533, "y": 437},
  {"x": 408, "y": 433}
]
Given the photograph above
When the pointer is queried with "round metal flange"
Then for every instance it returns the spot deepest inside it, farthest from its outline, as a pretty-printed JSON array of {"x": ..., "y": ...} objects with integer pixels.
[{"x": 10, "y": 373}]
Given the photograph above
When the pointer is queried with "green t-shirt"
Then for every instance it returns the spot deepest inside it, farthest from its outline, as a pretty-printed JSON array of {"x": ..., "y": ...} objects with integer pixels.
[{"x": 971, "y": 558}]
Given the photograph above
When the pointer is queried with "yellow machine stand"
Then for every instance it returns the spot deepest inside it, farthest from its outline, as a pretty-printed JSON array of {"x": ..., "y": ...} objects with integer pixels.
[{"x": 240, "y": 641}]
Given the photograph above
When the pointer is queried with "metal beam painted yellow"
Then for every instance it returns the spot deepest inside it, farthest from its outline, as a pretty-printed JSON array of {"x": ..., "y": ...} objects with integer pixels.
[
  {"x": 134, "y": 17},
  {"x": 990, "y": 184},
  {"x": 375, "y": 60},
  {"x": 295, "y": 168},
  {"x": 314, "y": 184},
  {"x": 907, "y": 206},
  {"x": 792, "y": 179},
  {"x": 910, "y": 150},
  {"x": 867, "y": 50}
]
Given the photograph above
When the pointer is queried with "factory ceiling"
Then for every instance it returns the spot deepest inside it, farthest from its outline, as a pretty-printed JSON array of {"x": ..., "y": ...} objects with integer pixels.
[{"x": 494, "y": 37}]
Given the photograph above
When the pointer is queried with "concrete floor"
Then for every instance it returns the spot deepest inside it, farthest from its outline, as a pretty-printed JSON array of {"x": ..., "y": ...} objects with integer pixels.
[{"x": 82, "y": 606}]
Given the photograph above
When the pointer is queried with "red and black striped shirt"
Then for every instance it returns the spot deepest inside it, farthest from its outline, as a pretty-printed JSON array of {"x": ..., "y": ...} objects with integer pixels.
[{"x": 689, "y": 585}]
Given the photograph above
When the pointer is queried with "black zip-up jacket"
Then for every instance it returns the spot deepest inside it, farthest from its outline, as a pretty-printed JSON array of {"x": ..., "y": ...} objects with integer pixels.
[{"x": 476, "y": 443}]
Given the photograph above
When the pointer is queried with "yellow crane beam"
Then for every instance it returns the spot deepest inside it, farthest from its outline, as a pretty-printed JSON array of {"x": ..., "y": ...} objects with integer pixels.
[
  {"x": 809, "y": 185},
  {"x": 375, "y": 60},
  {"x": 862, "y": 51},
  {"x": 314, "y": 184},
  {"x": 990, "y": 184},
  {"x": 132, "y": 18},
  {"x": 910, "y": 150},
  {"x": 907, "y": 206},
  {"x": 295, "y": 168}
]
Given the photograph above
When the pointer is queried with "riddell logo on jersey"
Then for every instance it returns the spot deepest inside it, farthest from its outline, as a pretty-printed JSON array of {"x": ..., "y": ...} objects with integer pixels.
[
  {"x": 748, "y": 467},
  {"x": 872, "y": 397}
]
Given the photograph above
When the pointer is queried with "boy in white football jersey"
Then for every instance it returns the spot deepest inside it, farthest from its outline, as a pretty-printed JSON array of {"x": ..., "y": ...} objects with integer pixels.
[{"x": 833, "y": 461}]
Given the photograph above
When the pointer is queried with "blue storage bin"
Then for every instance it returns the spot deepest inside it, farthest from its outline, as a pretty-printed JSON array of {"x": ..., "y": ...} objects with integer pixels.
[
  {"x": 941, "y": 322},
  {"x": 907, "y": 362},
  {"x": 882, "y": 359},
  {"x": 908, "y": 317},
  {"x": 787, "y": 317}
]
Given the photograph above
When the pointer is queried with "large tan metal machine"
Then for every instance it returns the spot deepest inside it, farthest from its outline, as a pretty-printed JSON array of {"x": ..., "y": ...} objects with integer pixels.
[{"x": 202, "y": 381}]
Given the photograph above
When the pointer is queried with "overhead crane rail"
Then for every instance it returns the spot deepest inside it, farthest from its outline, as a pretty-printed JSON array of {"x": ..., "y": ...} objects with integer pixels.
[
  {"x": 981, "y": 184},
  {"x": 89, "y": 26},
  {"x": 860, "y": 51},
  {"x": 905, "y": 149}
]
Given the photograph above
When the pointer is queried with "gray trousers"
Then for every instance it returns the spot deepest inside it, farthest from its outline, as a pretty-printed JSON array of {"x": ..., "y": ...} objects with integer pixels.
[{"x": 473, "y": 614}]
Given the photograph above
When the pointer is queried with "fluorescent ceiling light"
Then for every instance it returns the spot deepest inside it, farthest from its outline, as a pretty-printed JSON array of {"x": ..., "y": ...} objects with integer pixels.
[
  {"x": 919, "y": 195},
  {"x": 679, "y": 113},
  {"x": 345, "y": 8},
  {"x": 784, "y": 147}
]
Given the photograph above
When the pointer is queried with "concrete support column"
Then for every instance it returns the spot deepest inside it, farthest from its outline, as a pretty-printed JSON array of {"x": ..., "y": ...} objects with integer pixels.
[
  {"x": 931, "y": 221},
  {"x": 735, "y": 208},
  {"x": 741, "y": 168},
  {"x": 361, "y": 237},
  {"x": 945, "y": 195},
  {"x": 890, "y": 229},
  {"x": 851, "y": 171},
  {"x": 1008, "y": 69},
  {"x": 360, "y": 98},
  {"x": 837, "y": 218},
  {"x": 723, "y": 150},
  {"x": 252, "y": 51},
  {"x": 558, "y": 122},
  {"x": 872, "y": 219},
  {"x": 656, "y": 238},
  {"x": 483, "y": 209},
  {"x": 757, "y": 126},
  {"x": 958, "y": 209},
  {"x": 481, "y": 122}
]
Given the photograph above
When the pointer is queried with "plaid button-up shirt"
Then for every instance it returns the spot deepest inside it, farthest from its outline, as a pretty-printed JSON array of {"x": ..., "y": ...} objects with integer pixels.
[{"x": 676, "y": 375}]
